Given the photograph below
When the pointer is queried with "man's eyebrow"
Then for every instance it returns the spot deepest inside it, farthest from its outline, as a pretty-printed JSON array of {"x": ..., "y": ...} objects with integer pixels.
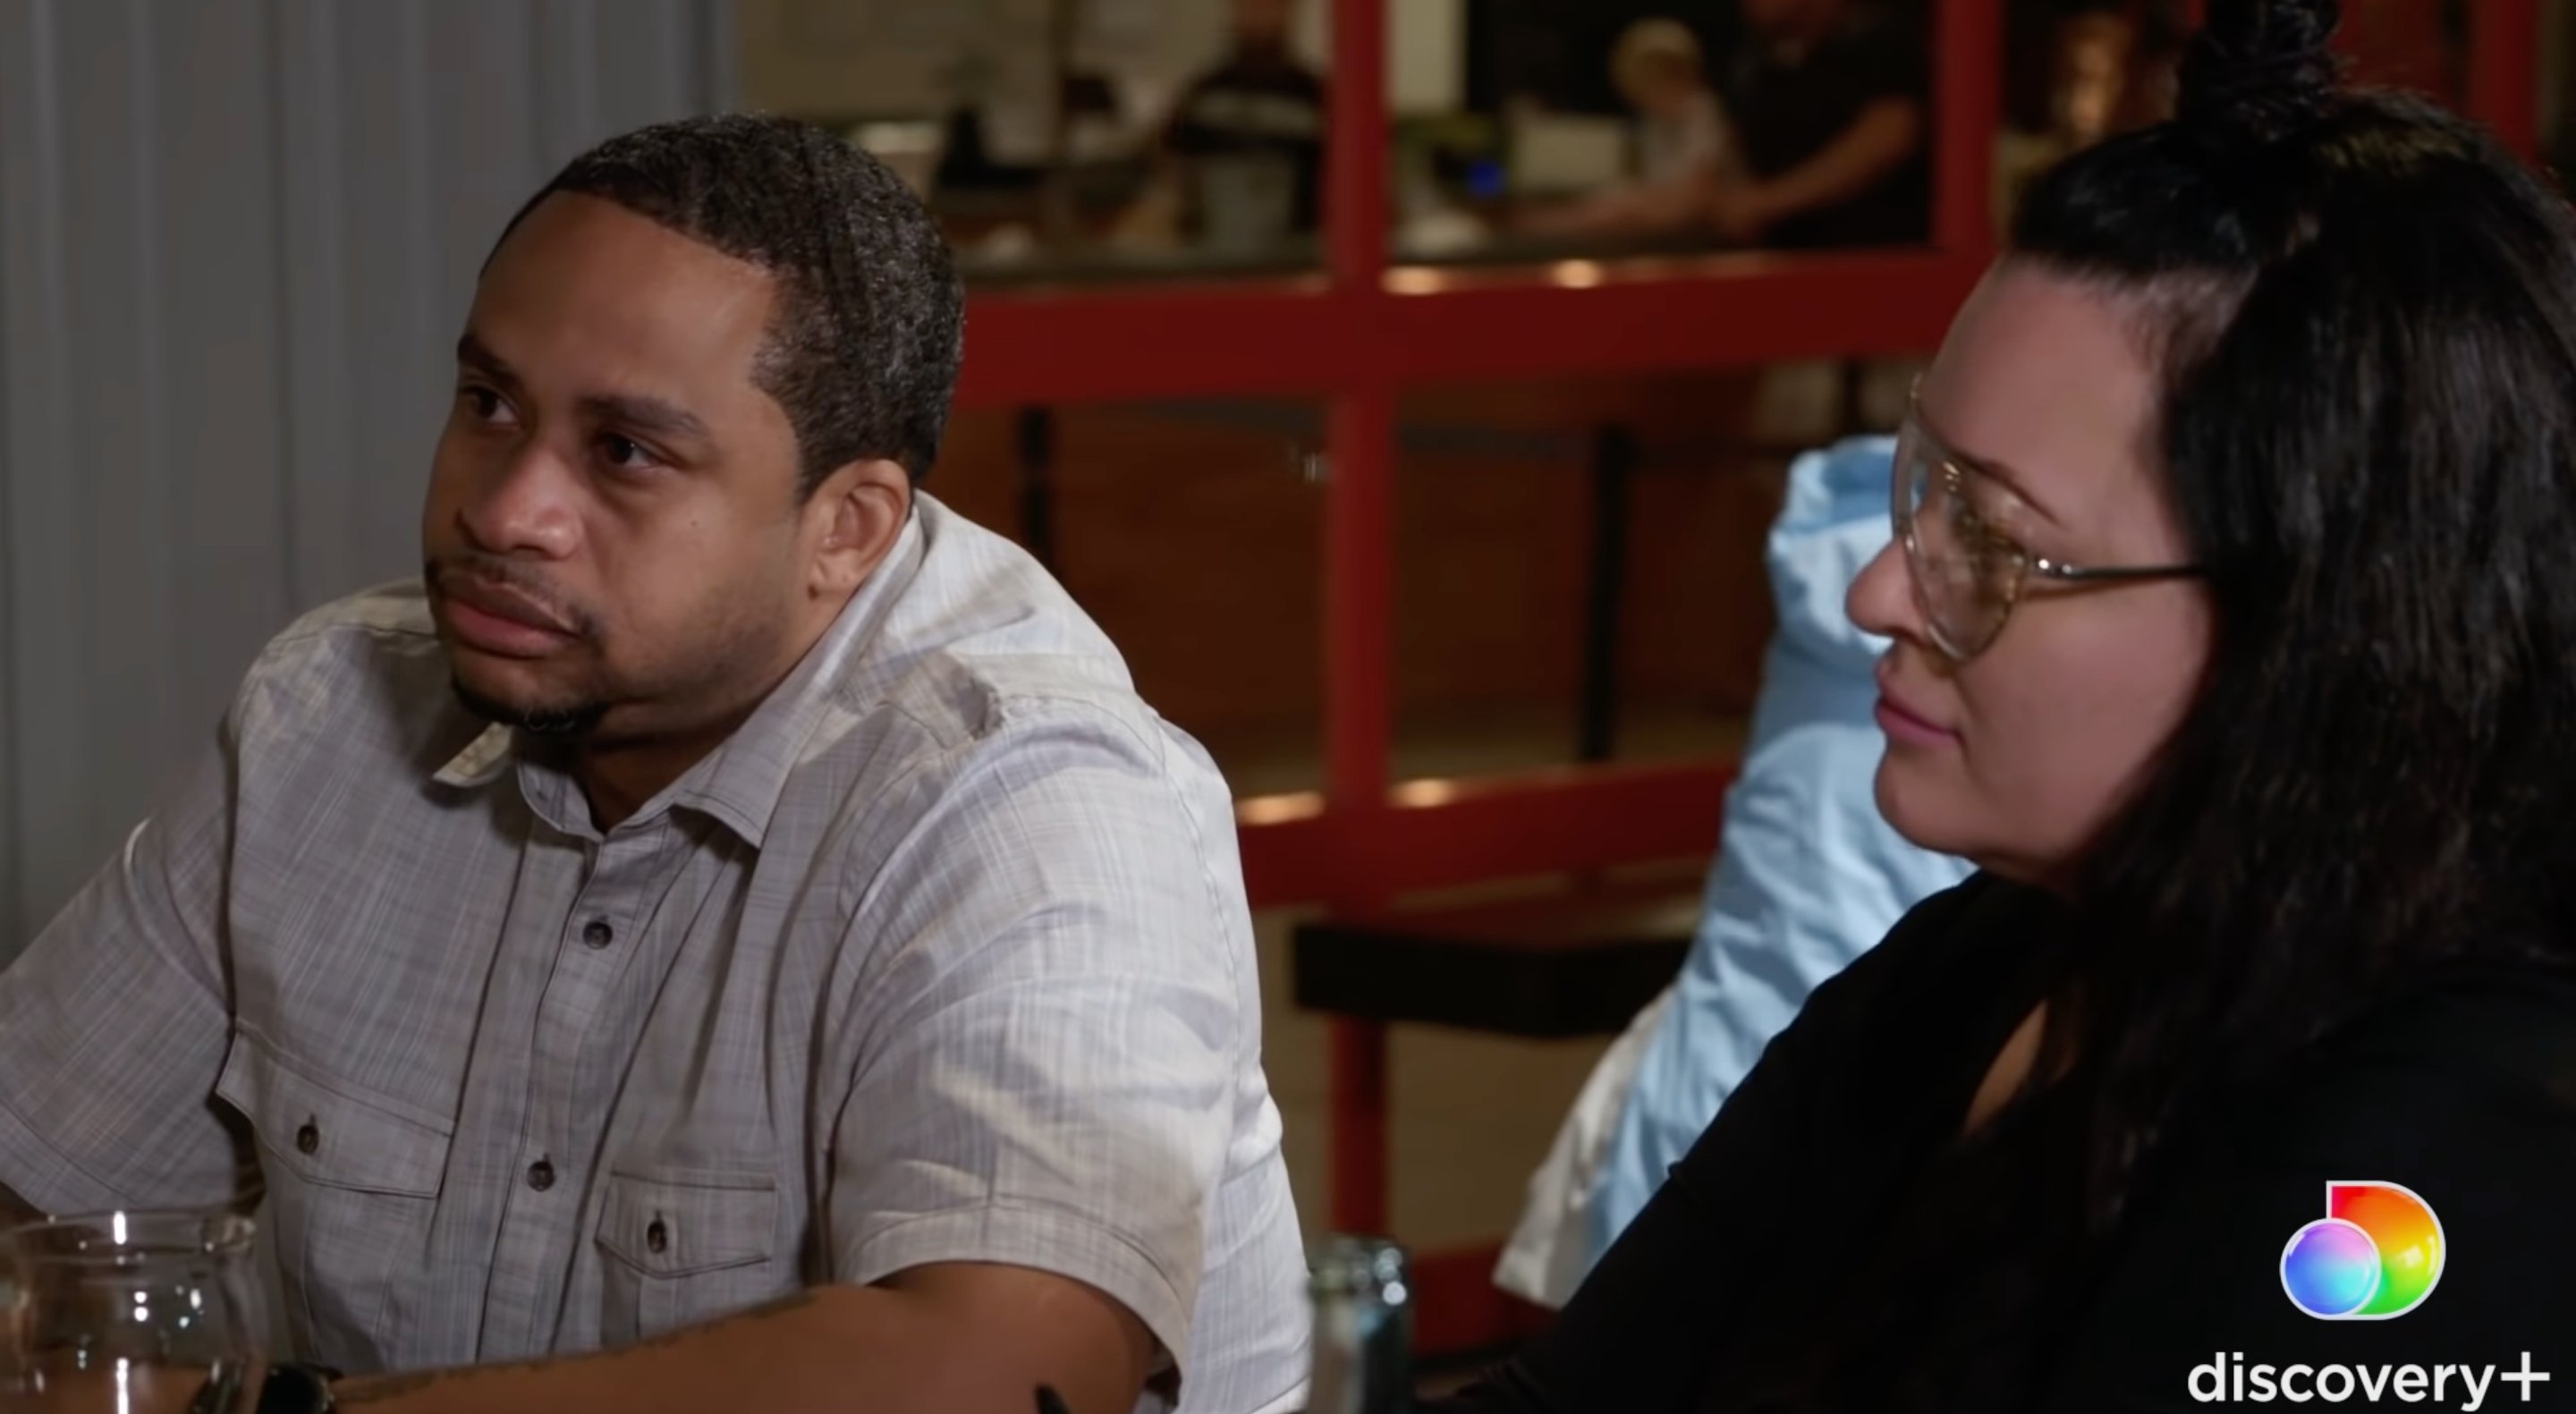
[
  {"x": 645, "y": 413},
  {"x": 641, "y": 411},
  {"x": 472, "y": 353}
]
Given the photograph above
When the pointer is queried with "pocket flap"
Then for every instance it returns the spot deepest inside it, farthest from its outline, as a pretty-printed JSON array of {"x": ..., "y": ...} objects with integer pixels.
[
  {"x": 330, "y": 1132},
  {"x": 667, "y": 1228}
]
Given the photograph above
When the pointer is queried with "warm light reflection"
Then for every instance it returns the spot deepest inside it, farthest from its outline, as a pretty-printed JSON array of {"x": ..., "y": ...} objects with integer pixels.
[
  {"x": 1420, "y": 793},
  {"x": 1575, "y": 274},
  {"x": 1415, "y": 280},
  {"x": 1278, "y": 809}
]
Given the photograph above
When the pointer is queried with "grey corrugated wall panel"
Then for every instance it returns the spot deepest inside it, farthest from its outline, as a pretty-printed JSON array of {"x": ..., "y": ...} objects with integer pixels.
[{"x": 237, "y": 238}]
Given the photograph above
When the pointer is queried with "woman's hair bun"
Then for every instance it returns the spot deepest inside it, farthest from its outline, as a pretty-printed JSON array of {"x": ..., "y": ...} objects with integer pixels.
[{"x": 2259, "y": 70}]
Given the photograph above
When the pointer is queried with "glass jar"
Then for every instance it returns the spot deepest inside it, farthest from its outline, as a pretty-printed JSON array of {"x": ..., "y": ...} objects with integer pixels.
[{"x": 129, "y": 1313}]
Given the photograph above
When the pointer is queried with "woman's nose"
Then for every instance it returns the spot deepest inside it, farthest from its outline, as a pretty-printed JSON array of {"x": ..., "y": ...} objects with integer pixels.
[{"x": 1881, "y": 599}]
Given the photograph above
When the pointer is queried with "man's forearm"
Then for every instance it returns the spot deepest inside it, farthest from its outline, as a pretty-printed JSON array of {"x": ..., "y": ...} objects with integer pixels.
[
  {"x": 829, "y": 1350},
  {"x": 1879, "y": 141},
  {"x": 625, "y": 1378}
]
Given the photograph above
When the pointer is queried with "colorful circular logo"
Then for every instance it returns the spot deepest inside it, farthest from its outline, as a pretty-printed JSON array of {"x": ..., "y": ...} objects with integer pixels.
[{"x": 2376, "y": 1254}]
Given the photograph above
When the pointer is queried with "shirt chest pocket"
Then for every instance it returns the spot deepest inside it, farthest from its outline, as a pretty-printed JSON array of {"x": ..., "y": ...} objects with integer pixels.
[
  {"x": 685, "y": 1248},
  {"x": 352, "y": 1182}
]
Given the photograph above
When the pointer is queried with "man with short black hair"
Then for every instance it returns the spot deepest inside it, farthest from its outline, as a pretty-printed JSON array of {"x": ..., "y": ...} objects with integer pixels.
[{"x": 730, "y": 915}]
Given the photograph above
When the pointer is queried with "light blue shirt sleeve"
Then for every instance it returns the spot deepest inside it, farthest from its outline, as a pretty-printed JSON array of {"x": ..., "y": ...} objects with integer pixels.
[{"x": 1808, "y": 876}]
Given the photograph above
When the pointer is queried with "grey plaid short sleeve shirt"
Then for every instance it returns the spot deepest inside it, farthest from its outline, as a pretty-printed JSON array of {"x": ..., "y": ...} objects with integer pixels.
[{"x": 943, "y": 956}]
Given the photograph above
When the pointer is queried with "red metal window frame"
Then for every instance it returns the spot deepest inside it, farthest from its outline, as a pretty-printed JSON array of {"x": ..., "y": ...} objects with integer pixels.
[
  {"x": 2504, "y": 83},
  {"x": 1361, "y": 333}
]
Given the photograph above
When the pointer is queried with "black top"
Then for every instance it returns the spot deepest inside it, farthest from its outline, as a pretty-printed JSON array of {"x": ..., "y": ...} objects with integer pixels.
[
  {"x": 2464, "y": 1091},
  {"x": 1259, "y": 101},
  {"x": 1789, "y": 106}
]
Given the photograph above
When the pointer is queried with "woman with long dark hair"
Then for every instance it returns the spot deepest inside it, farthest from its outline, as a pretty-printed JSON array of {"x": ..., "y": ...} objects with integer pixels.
[{"x": 2233, "y": 603}]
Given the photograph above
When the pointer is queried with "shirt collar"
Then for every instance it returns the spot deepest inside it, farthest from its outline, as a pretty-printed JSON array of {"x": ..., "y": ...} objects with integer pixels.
[
  {"x": 738, "y": 783},
  {"x": 481, "y": 762}
]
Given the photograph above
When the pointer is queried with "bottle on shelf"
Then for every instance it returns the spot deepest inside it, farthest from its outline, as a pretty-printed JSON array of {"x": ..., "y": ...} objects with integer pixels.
[{"x": 1363, "y": 1342}]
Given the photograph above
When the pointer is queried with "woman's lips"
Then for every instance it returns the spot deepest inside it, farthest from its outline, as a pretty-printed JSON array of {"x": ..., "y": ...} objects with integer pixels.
[{"x": 1905, "y": 723}]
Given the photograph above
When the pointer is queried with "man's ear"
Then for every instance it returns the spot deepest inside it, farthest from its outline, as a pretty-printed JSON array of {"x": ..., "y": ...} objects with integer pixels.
[{"x": 851, "y": 521}]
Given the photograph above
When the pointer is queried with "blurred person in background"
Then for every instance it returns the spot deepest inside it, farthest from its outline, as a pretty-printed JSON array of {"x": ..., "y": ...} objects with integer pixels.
[
  {"x": 2162, "y": 35},
  {"x": 1684, "y": 148},
  {"x": 2075, "y": 72},
  {"x": 729, "y": 935},
  {"x": 2234, "y": 639},
  {"x": 1247, "y": 138},
  {"x": 1827, "y": 98},
  {"x": 2068, "y": 65}
]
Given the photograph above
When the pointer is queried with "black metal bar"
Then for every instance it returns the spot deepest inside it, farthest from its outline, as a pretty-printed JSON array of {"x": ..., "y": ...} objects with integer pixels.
[
  {"x": 1854, "y": 375},
  {"x": 1614, "y": 463},
  {"x": 1037, "y": 484}
]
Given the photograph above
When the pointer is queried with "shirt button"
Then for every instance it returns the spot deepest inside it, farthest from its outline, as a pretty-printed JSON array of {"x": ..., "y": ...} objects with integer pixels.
[
  {"x": 308, "y": 1138},
  {"x": 597, "y": 934},
  {"x": 541, "y": 1175},
  {"x": 657, "y": 1238}
]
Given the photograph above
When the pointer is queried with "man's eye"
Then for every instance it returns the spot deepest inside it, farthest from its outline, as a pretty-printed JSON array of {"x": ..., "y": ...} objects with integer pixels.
[
  {"x": 485, "y": 404},
  {"x": 627, "y": 454}
]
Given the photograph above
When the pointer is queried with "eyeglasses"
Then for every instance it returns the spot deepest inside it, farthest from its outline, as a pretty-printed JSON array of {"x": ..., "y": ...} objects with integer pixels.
[{"x": 1967, "y": 571}]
